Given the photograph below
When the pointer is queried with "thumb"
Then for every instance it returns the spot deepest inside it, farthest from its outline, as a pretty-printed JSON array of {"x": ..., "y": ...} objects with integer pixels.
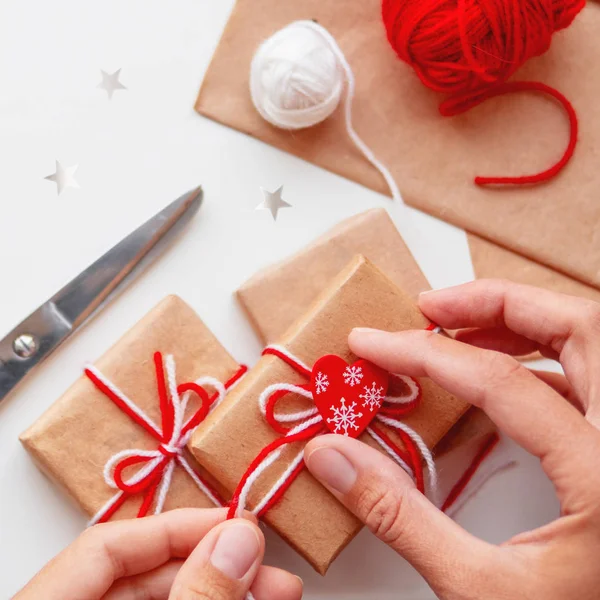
[
  {"x": 385, "y": 498},
  {"x": 223, "y": 565}
]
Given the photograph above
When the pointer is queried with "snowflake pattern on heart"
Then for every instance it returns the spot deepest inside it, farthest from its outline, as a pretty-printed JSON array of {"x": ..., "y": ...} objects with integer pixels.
[
  {"x": 321, "y": 382},
  {"x": 353, "y": 375},
  {"x": 373, "y": 397},
  {"x": 344, "y": 418},
  {"x": 348, "y": 396}
]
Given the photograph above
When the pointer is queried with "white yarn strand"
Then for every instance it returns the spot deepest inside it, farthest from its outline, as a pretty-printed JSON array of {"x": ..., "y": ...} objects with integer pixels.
[
  {"x": 297, "y": 78},
  {"x": 412, "y": 386},
  {"x": 175, "y": 444},
  {"x": 184, "y": 463},
  {"x": 165, "y": 484},
  {"x": 131, "y": 405},
  {"x": 284, "y": 477},
  {"x": 265, "y": 464},
  {"x": 393, "y": 455},
  {"x": 423, "y": 449},
  {"x": 293, "y": 389},
  {"x": 105, "y": 508}
]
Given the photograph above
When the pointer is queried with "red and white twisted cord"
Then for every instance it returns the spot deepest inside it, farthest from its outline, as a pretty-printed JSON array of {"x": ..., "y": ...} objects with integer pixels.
[
  {"x": 310, "y": 424},
  {"x": 155, "y": 476}
]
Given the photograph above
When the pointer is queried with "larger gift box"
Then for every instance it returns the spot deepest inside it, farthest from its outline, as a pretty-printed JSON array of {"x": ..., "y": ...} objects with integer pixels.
[
  {"x": 76, "y": 437},
  {"x": 308, "y": 516},
  {"x": 277, "y": 295}
]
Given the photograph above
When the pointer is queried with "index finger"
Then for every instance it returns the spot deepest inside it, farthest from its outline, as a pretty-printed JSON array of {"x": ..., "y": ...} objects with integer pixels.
[
  {"x": 567, "y": 324},
  {"x": 526, "y": 409},
  {"x": 107, "y": 552}
]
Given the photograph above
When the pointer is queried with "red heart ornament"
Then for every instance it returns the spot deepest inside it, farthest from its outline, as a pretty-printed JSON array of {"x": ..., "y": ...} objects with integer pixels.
[{"x": 347, "y": 396}]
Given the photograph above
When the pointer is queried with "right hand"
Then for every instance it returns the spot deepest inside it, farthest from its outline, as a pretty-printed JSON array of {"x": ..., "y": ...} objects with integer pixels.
[{"x": 555, "y": 418}]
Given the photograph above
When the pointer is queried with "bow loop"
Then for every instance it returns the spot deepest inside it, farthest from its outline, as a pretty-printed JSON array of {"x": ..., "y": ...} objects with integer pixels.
[
  {"x": 277, "y": 420},
  {"x": 149, "y": 463}
]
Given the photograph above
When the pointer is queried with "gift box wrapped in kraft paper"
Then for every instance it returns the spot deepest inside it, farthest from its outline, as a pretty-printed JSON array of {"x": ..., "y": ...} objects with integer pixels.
[
  {"x": 95, "y": 419},
  {"x": 491, "y": 261},
  {"x": 433, "y": 158},
  {"x": 276, "y": 296},
  {"x": 307, "y": 516}
]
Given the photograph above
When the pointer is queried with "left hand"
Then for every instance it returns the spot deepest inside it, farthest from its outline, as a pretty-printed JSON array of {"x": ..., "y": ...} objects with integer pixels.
[{"x": 179, "y": 555}]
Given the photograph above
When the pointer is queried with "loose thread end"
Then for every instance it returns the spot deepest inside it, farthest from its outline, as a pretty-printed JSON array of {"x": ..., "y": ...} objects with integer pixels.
[{"x": 553, "y": 171}]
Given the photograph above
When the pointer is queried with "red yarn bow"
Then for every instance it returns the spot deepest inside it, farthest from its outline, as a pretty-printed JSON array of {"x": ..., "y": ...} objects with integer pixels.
[
  {"x": 156, "y": 466},
  {"x": 306, "y": 424}
]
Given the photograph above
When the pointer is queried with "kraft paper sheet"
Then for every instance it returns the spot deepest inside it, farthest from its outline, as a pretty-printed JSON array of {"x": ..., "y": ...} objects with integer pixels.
[{"x": 433, "y": 158}]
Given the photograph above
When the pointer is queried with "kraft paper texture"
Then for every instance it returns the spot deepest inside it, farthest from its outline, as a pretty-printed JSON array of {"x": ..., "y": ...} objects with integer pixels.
[
  {"x": 308, "y": 516},
  {"x": 433, "y": 158},
  {"x": 72, "y": 441},
  {"x": 277, "y": 295},
  {"x": 490, "y": 261}
]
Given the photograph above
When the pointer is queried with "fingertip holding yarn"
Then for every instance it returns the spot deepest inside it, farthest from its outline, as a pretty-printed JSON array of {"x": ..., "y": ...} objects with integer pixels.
[
  {"x": 468, "y": 49},
  {"x": 298, "y": 78}
]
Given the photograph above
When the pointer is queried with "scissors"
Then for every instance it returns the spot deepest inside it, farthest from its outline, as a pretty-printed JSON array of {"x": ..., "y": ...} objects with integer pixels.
[{"x": 33, "y": 340}]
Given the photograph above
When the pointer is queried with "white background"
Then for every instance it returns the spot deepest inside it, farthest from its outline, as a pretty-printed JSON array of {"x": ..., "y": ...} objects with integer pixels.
[{"x": 135, "y": 154}]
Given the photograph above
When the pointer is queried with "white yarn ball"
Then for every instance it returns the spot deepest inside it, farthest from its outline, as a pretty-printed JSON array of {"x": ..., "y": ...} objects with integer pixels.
[{"x": 296, "y": 79}]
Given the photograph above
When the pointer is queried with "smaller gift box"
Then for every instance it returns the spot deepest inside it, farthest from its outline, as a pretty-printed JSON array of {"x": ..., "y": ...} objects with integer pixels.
[
  {"x": 115, "y": 441},
  {"x": 305, "y": 514}
]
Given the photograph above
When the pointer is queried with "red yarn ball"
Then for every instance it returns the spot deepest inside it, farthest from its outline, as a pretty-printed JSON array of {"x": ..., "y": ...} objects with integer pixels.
[
  {"x": 469, "y": 49},
  {"x": 465, "y": 47}
]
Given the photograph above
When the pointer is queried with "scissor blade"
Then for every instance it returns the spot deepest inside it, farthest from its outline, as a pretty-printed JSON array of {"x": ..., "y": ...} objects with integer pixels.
[
  {"x": 96, "y": 285},
  {"x": 30, "y": 342}
]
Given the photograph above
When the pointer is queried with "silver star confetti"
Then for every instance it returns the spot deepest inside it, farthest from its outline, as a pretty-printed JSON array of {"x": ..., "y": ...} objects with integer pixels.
[
  {"x": 110, "y": 82},
  {"x": 64, "y": 177},
  {"x": 273, "y": 201}
]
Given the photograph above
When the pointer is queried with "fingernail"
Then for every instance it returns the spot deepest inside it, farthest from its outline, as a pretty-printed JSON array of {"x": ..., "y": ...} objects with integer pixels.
[
  {"x": 332, "y": 468},
  {"x": 426, "y": 292},
  {"x": 236, "y": 550}
]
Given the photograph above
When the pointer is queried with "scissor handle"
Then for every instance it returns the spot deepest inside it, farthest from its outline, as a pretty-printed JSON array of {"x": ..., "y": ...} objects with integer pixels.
[{"x": 29, "y": 343}]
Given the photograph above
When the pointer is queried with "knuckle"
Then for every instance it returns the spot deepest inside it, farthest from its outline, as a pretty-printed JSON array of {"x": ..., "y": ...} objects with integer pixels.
[
  {"x": 499, "y": 371},
  {"x": 94, "y": 541},
  {"x": 91, "y": 538},
  {"x": 381, "y": 511}
]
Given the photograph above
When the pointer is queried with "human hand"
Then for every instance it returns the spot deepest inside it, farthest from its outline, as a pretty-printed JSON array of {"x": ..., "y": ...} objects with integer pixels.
[
  {"x": 555, "y": 418},
  {"x": 182, "y": 554}
]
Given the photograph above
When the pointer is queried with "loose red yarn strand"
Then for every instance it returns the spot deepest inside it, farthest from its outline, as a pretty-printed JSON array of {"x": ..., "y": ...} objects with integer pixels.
[
  {"x": 488, "y": 445},
  {"x": 535, "y": 86}
]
